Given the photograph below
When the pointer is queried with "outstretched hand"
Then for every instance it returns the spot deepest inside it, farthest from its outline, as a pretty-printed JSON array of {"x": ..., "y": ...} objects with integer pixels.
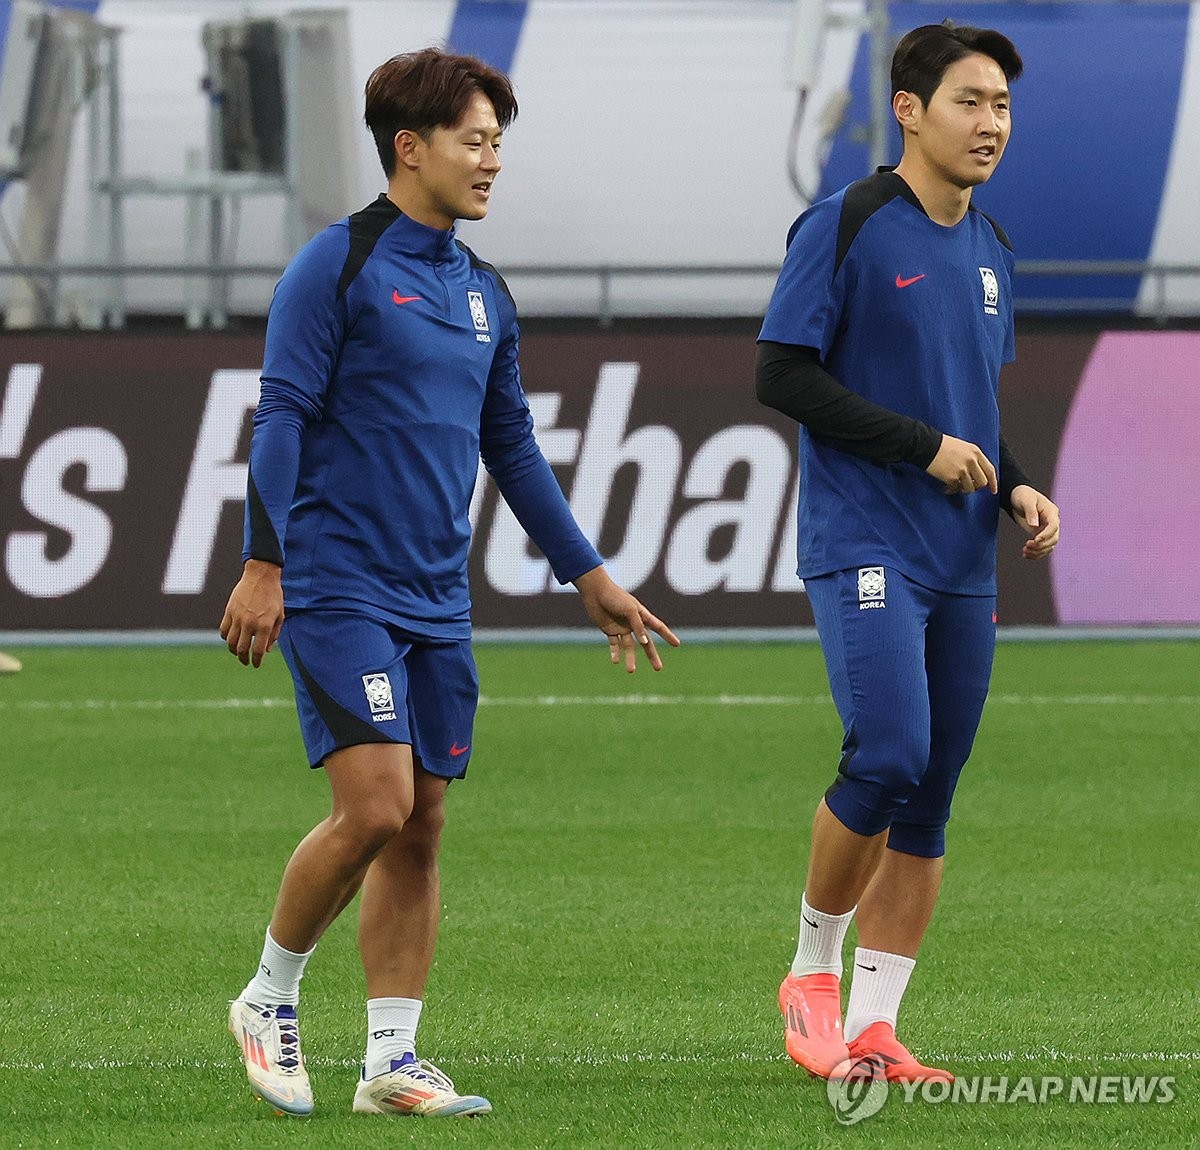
[
  {"x": 1037, "y": 516},
  {"x": 622, "y": 618}
]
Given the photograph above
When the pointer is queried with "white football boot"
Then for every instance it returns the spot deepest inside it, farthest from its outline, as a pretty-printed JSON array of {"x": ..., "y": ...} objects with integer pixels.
[
  {"x": 269, "y": 1037},
  {"x": 416, "y": 1088}
]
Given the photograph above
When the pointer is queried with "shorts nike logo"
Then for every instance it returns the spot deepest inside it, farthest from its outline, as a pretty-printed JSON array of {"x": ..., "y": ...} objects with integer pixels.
[
  {"x": 398, "y": 298},
  {"x": 456, "y": 750},
  {"x": 901, "y": 282}
]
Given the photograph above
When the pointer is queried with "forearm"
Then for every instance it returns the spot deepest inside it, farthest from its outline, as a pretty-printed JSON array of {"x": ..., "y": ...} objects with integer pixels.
[
  {"x": 271, "y": 477},
  {"x": 791, "y": 380},
  {"x": 536, "y": 499},
  {"x": 1010, "y": 476}
]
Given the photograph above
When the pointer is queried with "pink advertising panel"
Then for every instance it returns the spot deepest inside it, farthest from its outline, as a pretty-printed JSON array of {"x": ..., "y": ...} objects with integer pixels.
[{"x": 1130, "y": 551}]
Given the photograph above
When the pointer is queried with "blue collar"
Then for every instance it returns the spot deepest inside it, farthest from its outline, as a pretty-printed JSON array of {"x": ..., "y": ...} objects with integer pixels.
[{"x": 417, "y": 239}]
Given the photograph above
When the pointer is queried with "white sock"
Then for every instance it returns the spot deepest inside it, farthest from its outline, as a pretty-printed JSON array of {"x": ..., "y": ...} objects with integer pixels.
[
  {"x": 277, "y": 980},
  {"x": 876, "y": 989},
  {"x": 819, "y": 947},
  {"x": 391, "y": 1032}
]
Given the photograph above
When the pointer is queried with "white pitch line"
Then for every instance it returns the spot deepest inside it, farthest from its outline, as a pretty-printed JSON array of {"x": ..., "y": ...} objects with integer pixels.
[
  {"x": 1006, "y": 700},
  {"x": 144, "y": 704},
  {"x": 655, "y": 701},
  {"x": 1096, "y": 700},
  {"x": 820, "y": 700},
  {"x": 1050, "y": 1054},
  {"x": 634, "y": 1057}
]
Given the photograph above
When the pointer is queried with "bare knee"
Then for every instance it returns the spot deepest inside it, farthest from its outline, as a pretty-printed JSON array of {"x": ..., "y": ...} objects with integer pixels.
[
  {"x": 422, "y": 834},
  {"x": 372, "y": 820},
  {"x": 372, "y": 794},
  {"x": 369, "y": 829}
]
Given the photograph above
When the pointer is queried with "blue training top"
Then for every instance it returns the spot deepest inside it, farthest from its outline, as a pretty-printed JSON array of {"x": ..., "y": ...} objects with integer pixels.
[
  {"x": 917, "y": 318},
  {"x": 390, "y": 368}
]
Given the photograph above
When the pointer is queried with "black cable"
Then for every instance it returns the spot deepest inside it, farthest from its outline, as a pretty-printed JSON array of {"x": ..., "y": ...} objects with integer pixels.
[
  {"x": 835, "y": 116},
  {"x": 793, "y": 146}
]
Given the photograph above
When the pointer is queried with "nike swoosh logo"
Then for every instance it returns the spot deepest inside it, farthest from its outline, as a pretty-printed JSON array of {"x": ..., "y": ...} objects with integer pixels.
[
  {"x": 862, "y": 967},
  {"x": 456, "y": 750},
  {"x": 810, "y": 922},
  {"x": 901, "y": 282},
  {"x": 398, "y": 298}
]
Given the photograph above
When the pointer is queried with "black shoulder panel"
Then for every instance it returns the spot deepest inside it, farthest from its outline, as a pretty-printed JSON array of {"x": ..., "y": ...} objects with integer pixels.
[
  {"x": 1001, "y": 235},
  {"x": 862, "y": 200},
  {"x": 476, "y": 262},
  {"x": 366, "y": 227}
]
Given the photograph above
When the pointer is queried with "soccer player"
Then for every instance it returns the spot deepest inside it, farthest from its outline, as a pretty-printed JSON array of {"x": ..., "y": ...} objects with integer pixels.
[
  {"x": 390, "y": 368},
  {"x": 884, "y": 338}
]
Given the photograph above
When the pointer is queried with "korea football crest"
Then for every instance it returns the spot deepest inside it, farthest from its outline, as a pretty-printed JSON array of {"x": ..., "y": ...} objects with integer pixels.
[
  {"x": 872, "y": 587},
  {"x": 991, "y": 291},
  {"x": 379, "y": 697},
  {"x": 479, "y": 316}
]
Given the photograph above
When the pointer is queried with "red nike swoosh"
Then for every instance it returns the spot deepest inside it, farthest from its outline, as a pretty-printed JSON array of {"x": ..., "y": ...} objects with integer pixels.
[
  {"x": 456, "y": 750},
  {"x": 398, "y": 298},
  {"x": 901, "y": 282}
]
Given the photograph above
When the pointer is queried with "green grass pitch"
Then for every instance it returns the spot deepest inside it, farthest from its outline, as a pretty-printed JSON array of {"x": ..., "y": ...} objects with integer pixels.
[{"x": 621, "y": 885}]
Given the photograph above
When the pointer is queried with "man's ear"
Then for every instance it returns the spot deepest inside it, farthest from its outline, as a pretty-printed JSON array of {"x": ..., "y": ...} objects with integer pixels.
[
  {"x": 408, "y": 145},
  {"x": 906, "y": 107}
]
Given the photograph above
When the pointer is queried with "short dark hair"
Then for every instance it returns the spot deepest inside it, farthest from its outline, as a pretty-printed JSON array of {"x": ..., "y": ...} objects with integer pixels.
[
  {"x": 923, "y": 55},
  {"x": 429, "y": 89}
]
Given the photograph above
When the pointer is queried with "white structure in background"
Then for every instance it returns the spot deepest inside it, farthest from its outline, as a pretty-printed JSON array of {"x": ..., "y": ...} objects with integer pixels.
[
  {"x": 49, "y": 70},
  {"x": 646, "y": 141},
  {"x": 662, "y": 150},
  {"x": 276, "y": 128},
  {"x": 1176, "y": 236},
  {"x": 822, "y": 31},
  {"x": 613, "y": 161},
  {"x": 26, "y": 23}
]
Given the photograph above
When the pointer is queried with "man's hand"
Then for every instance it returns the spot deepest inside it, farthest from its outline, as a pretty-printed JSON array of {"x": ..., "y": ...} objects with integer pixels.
[
  {"x": 622, "y": 618},
  {"x": 962, "y": 467},
  {"x": 1036, "y": 516},
  {"x": 254, "y": 612}
]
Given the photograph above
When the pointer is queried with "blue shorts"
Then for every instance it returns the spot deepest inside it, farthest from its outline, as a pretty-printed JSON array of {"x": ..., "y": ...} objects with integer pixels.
[
  {"x": 909, "y": 669},
  {"x": 360, "y": 680}
]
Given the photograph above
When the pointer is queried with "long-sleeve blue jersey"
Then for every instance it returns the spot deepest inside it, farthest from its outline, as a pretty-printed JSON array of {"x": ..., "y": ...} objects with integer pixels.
[{"x": 390, "y": 368}]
